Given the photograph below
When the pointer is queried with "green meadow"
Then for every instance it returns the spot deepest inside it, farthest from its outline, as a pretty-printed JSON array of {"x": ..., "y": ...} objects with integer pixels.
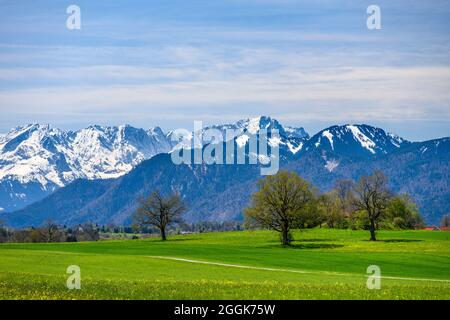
[{"x": 321, "y": 264}]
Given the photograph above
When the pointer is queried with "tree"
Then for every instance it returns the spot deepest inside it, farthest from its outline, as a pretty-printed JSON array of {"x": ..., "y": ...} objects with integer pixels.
[
  {"x": 330, "y": 208},
  {"x": 402, "y": 212},
  {"x": 344, "y": 192},
  {"x": 280, "y": 203},
  {"x": 160, "y": 211},
  {"x": 372, "y": 196},
  {"x": 85, "y": 232},
  {"x": 21, "y": 235},
  {"x": 445, "y": 221},
  {"x": 37, "y": 235},
  {"x": 4, "y": 233},
  {"x": 50, "y": 231}
]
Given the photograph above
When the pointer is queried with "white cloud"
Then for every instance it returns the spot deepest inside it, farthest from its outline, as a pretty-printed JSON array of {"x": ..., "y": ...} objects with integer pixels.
[{"x": 348, "y": 92}]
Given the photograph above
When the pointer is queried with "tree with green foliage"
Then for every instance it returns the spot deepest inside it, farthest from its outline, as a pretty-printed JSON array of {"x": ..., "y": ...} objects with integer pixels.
[
  {"x": 280, "y": 204},
  {"x": 403, "y": 213},
  {"x": 159, "y": 211},
  {"x": 372, "y": 196}
]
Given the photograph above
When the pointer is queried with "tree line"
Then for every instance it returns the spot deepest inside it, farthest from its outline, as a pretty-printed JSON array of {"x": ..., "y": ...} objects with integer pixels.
[
  {"x": 285, "y": 202},
  {"x": 50, "y": 232}
]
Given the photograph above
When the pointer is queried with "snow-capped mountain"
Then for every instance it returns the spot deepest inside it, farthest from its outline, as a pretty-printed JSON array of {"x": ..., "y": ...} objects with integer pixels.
[
  {"x": 220, "y": 192},
  {"x": 291, "y": 138},
  {"x": 335, "y": 144},
  {"x": 355, "y": 140},
  {"x": 37, "y": 159}
]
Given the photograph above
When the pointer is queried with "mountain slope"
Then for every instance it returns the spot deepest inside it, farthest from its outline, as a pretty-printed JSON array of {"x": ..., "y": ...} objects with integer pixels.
[{"x": 203, "y": 187}]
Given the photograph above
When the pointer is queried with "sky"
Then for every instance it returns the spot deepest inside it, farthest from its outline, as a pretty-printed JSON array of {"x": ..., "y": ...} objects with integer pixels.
[{"x": 170, "y": 62}]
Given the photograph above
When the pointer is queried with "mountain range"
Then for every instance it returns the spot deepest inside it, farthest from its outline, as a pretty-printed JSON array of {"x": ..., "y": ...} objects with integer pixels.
[
  {"x": 36, "y": 160},
  {"x": 98, "y": 173}
]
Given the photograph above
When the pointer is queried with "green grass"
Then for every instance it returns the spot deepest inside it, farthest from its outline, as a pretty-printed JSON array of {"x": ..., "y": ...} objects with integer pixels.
[{"x": 334, "y": 262}]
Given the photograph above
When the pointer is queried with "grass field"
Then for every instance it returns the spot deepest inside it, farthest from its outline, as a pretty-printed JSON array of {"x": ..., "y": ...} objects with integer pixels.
[{"x": 322, "y": 264}]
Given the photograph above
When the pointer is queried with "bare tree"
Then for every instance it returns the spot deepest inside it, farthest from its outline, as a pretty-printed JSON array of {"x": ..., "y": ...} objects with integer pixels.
[
  {"x": 4, "y": 233},
  {"x": 160, "y": 211},
  {"x": 372, "y": 196},
  {"x": 445, "y": 221},
  {"x": 280, "y": 203},
  {"x": 344, "y": 192},
  {"x": 85, "y": 232},
  {"x": 329, "y": 207},
  {"x": 51, "y": 232}
]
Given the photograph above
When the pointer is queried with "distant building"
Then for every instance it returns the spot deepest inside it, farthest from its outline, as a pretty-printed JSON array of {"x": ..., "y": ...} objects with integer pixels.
[{"x": 431, "y": 228}]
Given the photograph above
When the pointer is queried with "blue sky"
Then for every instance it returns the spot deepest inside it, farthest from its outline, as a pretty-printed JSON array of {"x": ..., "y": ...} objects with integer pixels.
[{"x": 168, "y": 63}]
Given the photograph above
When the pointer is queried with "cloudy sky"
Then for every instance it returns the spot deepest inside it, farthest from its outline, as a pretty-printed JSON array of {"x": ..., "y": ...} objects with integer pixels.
[{"x": 170, "y": 62}]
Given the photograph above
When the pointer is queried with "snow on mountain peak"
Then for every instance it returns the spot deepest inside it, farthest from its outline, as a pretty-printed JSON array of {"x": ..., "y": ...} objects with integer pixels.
[
  {"x": 37, "y": 157},
  {"x": 253, "y": 125},
  {"x": 156, "y": 131},
  {"x": 356, "y": 139},
  {"x": 292, "y": 132},
  {"x": 292, "y": 138},
  {"x": 329, "y": 136},
  {"x": 47, "y": 156},
  {"x": 365, "y": 141},
  {"x": 37, "y": 152}
]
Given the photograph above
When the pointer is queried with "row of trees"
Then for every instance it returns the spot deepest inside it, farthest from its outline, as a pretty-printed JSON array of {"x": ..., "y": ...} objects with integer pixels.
[
  {"x": 285, "y": 201},
  {"x": 50, "y": 232},
  {"x": 368, "y": 204}
]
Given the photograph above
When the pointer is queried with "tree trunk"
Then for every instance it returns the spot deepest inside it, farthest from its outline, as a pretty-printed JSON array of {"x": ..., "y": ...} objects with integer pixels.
[
  {"x": 372, "y": 231},
  {"x": 163, "y": 234},
  {"x": 286, "y": 241}
]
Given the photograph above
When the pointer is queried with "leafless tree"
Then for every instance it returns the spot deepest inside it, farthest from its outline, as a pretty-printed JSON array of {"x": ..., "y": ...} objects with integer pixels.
[
  {"x": 372, "y": 196},
  {"x": 329, "y": 208},
  {"x": 51, "y": 231},
  {"x": 160, "y": 211},
  {"x": 86, "y": 232},
  {"x": 344, "y": 192},
  {"x": 445, "y": 221},
  {"x": 4, "y": 234}
]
